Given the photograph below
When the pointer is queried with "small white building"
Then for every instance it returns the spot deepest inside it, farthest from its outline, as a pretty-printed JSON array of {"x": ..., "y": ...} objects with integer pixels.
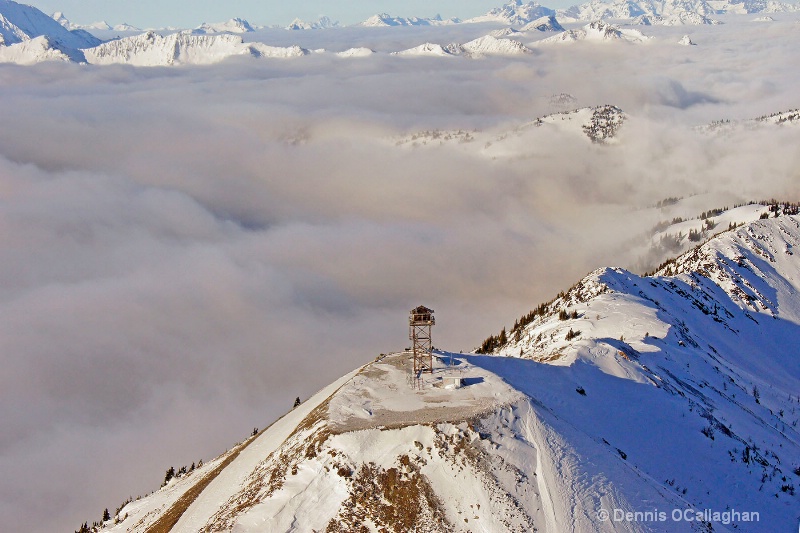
[{"x": 452, "y": 382}]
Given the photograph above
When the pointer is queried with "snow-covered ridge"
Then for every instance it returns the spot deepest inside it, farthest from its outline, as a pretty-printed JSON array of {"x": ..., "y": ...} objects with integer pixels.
[
  {"x": 670, "y": 12},
  {"x": 38, "y": 49},
  {"x": 782, "y": 118},
  {"x": 383, "y": 20},
  {"x": 686, "y": 18},
  {"x": 598, "y": 124},
  {"x": 321, "y": 24},
  {"x": 59, "y": 17},
  {"x": 151, "y": 49},
  {"x": 597, "y": 31},
  {"x": 356, "y": 52},
  {"x": 677, "y": 391},
  {"x": 20, "y": 23},
  {"x": 546, "y": 23},
  {"x": 516, "y": 13},
  {"x": 234, "y": 25},
  {"x": 729, "y": 260},
  {"x": 488, "y": 45}
]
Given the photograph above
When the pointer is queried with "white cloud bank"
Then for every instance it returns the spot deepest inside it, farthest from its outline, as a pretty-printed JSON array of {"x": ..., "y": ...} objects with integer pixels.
[{"x": 184, "y": 251}]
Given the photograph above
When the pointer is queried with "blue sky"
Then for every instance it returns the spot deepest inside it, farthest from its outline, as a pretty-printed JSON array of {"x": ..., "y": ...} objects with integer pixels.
[{"x": 186, "y": 13}]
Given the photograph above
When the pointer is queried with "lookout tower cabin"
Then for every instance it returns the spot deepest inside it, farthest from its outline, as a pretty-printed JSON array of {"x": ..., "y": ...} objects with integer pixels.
[{"x": 420, "y": 321}]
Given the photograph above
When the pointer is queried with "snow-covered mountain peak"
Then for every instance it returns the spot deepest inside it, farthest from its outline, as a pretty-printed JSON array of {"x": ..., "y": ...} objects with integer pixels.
[
  {"x": 515, "y": 13},
  {"x": 234, "y": 25},
  {"x": 670, "y": 12},
  {"x": 733, "y": 278},
  {"x": 360, "y": 51},
  {"x": 755, "y": 265},
  {"x": 599, "y": 125},
  {"x": 383, "y": 20},
  {"x": 152, "y": 49},
  {"x": 489, "y": 45},
  {"x": 685, "y": 18},
  {"x": 322, "y": 23},
  {"x": 597, "y": 31},
  {"x": 546, "y": 23},
  {"x": 428, "y": 49},
  {"x": 37, "y": 50},
  {"x": 789, "y": 118},
  {"x": 59, "y": 17},
  {"x": 19, "y": 23},
  {"x": 676, "y": 391}
]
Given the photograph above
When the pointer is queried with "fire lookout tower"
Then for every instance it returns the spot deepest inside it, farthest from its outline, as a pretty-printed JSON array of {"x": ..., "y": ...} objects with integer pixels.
[{"x": 419, "y": 325}]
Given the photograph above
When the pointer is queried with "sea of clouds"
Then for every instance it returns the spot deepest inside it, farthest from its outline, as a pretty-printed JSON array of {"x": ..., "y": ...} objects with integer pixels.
[{"x": 183, "y": 251}]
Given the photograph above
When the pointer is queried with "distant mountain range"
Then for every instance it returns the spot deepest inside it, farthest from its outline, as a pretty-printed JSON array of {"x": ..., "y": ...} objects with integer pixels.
[
  {"x": 597, "y": 31},
  {"x": 28, "y": 36},
  {"x": 386, "y": 20},
  {"x": 321, "y": 24}
]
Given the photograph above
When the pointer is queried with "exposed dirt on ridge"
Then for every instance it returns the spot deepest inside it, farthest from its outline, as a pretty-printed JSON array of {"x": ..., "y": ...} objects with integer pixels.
[{"x": 167, "y": 521}]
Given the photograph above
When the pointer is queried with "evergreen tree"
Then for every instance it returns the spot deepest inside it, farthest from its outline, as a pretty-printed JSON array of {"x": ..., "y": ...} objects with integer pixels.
[
  {"x": 296, "y": 402},
  {"x": 169, "y": 475},
  {"x": 106, "y": 515}
]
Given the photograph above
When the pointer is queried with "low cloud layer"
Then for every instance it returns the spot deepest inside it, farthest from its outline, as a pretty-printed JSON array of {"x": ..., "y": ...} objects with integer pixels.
[{"x": 184, "y": 251}]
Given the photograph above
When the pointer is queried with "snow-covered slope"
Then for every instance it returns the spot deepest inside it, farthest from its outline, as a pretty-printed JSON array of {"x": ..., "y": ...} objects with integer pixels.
[
  {"x": 234, "y": 25},
  {"x": 488, "y": 45},
  {"x": 20, "y": 23},
  {"x": 279, "y": 52},
  {"x": 744, "y": 7},
  {"x": 789, "y": 118},
  {"x": 597, "y": 31},
  {"x": 383, "y": 20},
  {"x": 598, "y": 125},
  {"x": 428, "y": 49},
  {"x": 516, "y": 13},
  {"x": 321, "y": 24},
  {"x": 676, "y": 12},
  {"x": 37, "y": 50},
  {"x": 686, "y": 18},
  {"x": 151, "y": 49},
  {"x": 547, "y": 23},
  {"x": 356, "y": 52},
  {"x": 674, "y": 395},
  {"x": 125, "y": 27},
  {"x": 597, "y": 9},
  {"x": 59, "y": 17}
]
